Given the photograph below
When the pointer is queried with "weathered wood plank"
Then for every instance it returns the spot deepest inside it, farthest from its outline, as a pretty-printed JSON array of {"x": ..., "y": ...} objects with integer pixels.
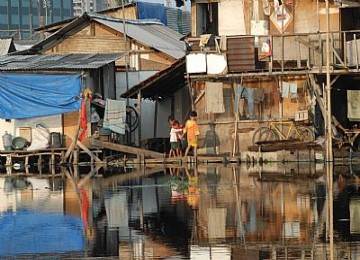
[
  {"x": 87, "y": 150},
  {"x": 131, "y": 150}
]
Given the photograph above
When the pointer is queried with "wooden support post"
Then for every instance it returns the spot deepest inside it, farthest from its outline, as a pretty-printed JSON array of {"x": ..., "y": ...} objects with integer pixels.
[
  {"x": 76, "y": 156},
  {"x": 83, "y": 147},
  {"x": 53, "y": 169},
  {"x": 271, "y": 56},
  {"x": 298, "y": 55},
  {"x": 308, "y": 55},
  {"x": 236, "y": 119},
  {"x": 62, "y": 157},
  {"x": 76, "y": 172},
  {"x": 321, "y": 54},
  {"x": 26, "y": 161},
  {"x": 345, "y": 49},
  {"x": 69, "y": 150},
  {"x": 40, "y": 164},
  {"x": 8, "y": 160},
  {"x": 40, "y": 160},
  {"x": 139, "y": 116},
  {"x": 356, "y": 52}
]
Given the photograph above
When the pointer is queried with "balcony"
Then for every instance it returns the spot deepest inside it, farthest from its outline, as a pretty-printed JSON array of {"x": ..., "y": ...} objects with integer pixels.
[{"x": 278, "y": 54}]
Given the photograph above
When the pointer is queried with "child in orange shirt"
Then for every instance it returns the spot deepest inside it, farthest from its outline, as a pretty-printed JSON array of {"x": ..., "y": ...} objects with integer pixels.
[{"x": 192, "y": 130}]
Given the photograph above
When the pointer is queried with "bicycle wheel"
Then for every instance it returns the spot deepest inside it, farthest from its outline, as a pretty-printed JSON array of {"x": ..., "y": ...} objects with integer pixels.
[
  {"x": 306, "y": 134},
  {"x": 263, "y": 134}
]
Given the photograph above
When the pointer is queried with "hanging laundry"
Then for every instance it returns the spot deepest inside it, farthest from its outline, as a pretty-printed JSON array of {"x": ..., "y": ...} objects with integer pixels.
[
  {"x": 266, "y": 7},
  {"x": 214, "y": 97},
  {"x": 238, "y": 94},
  {"x": 250, "y": 102},
  {"x": 353, "y": 107},
  {"x": 205, "y": 39},
  {"x": 266, "y": 48},
  {"x": 115, "y": 116},
  {"x": 285, "y": 89},
  {"x": 293, "y": 90},
  {"x": 252, "y": 95}
]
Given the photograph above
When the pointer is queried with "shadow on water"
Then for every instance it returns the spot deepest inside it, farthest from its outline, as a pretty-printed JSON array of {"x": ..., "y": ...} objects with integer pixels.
[{"x": 273, "y": 211}]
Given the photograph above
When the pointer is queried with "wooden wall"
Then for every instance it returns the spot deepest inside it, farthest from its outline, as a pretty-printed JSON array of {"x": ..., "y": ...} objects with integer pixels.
[
  {"x": 273, "y": 107},
  {"x": 306, "y": 17},
  {"x": 130, "y": 13},
  {"x": 97, "y": 38}
]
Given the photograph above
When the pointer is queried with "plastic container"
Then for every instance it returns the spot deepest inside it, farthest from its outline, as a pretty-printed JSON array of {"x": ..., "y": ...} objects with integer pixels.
[
  {"x": 55, "y": 140},
  {"x": 7, "y": 141}
]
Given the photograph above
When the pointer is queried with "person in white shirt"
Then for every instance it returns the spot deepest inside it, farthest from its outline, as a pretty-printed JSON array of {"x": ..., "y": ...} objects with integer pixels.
[{"x": 174, "y": 146}]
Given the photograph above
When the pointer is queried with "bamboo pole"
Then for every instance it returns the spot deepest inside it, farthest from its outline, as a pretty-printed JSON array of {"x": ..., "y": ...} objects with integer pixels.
[
  {"x": 236, "y": 119},
  {"x": 329, "y": 150}
]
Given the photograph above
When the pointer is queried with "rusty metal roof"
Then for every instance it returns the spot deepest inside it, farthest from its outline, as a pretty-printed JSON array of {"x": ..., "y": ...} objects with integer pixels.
[{"x": 56, "y": 61}]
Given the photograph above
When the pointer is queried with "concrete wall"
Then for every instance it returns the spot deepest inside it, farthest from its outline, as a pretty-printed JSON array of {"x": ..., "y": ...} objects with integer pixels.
[{"x": 52, "y": 123}]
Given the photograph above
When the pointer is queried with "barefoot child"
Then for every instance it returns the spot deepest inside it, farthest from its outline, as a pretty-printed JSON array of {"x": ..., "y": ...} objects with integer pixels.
[
  {"x": 192, "y": 131},
  {"x": 174, "y": 139}
]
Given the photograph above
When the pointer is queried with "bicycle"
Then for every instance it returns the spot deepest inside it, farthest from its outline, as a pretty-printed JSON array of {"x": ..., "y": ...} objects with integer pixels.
[{"x": 273, "y": 133}]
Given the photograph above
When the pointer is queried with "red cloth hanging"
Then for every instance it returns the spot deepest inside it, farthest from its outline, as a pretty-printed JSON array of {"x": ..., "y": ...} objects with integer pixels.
[
  {"x": 83, "y": 121},
  {"x": 85, "y": 207}
]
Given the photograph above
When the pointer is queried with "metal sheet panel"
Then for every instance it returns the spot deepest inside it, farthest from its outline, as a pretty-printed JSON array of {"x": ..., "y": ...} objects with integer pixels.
[
  {"x": 56, "y": 62},
  {"x": 241, "y": 54},
  {"x": 178, "y": 20}
]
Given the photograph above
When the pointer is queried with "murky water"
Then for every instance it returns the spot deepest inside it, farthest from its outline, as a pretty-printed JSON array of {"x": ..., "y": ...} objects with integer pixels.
[{"x": 279, "y": 211}]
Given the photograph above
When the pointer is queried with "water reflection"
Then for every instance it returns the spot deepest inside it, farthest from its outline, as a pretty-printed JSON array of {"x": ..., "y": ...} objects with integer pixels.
[{"x": 279, "y": 211}]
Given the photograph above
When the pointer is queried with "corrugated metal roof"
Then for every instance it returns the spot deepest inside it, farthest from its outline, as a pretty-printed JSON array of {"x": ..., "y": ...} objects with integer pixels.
[
  {"x": 152, "y": 34},
  {"x": 56, "y": 61},
  {"x": 178, "y": 20}
]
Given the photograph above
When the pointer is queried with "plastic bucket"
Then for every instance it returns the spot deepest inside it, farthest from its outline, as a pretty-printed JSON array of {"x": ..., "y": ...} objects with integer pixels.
[
  {"x": 55, "y": 140},
  {"x": 18, "y": 143}
]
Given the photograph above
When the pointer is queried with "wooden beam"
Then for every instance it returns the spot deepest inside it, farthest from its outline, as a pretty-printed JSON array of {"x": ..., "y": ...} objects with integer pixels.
[
  {"x": 131, "y": 150},
  {"x": 83, "y": 180},
  {"x": 87, "y": 150},
  {"x": 307, "y": 44},
  {"x": 317, "y": 91},
  {"x": 199, "y": 97},
  {"x": 119, "y": 178}
]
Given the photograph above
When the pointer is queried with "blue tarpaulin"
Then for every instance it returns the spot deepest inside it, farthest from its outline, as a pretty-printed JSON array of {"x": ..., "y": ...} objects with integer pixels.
[
  {"x": 34, "y": 95},
  {"x": 152, "y": 11},
  {"x": 31, "y": 232}
]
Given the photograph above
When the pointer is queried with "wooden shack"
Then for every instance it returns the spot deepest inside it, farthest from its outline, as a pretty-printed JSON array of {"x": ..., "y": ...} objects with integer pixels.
[
  {"x": 276, "y": 49},
  {"x": 148, "y": 47}
]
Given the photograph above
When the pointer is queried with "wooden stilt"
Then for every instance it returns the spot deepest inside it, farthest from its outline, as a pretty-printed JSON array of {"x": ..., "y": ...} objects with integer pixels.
[
  {"x": 62, "y": 157},
  {"x": 40, "y": 160},
  {"x": 87, "y": 150},
  {"x": 26, "y": 161},
  {"x": 8, "y": 160},
  {"x": 76, "y": 156}
]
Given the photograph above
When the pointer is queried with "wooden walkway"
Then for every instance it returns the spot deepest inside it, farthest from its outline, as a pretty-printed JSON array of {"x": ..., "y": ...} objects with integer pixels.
[{"x": 289, "y": 151}]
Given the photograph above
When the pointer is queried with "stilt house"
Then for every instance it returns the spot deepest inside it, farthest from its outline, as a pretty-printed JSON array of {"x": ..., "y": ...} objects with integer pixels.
[{"x": 253, "y": 62}]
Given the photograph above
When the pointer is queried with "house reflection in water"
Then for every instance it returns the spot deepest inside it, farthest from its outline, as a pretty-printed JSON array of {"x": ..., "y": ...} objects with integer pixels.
[{"x": 275, "y": 211}]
